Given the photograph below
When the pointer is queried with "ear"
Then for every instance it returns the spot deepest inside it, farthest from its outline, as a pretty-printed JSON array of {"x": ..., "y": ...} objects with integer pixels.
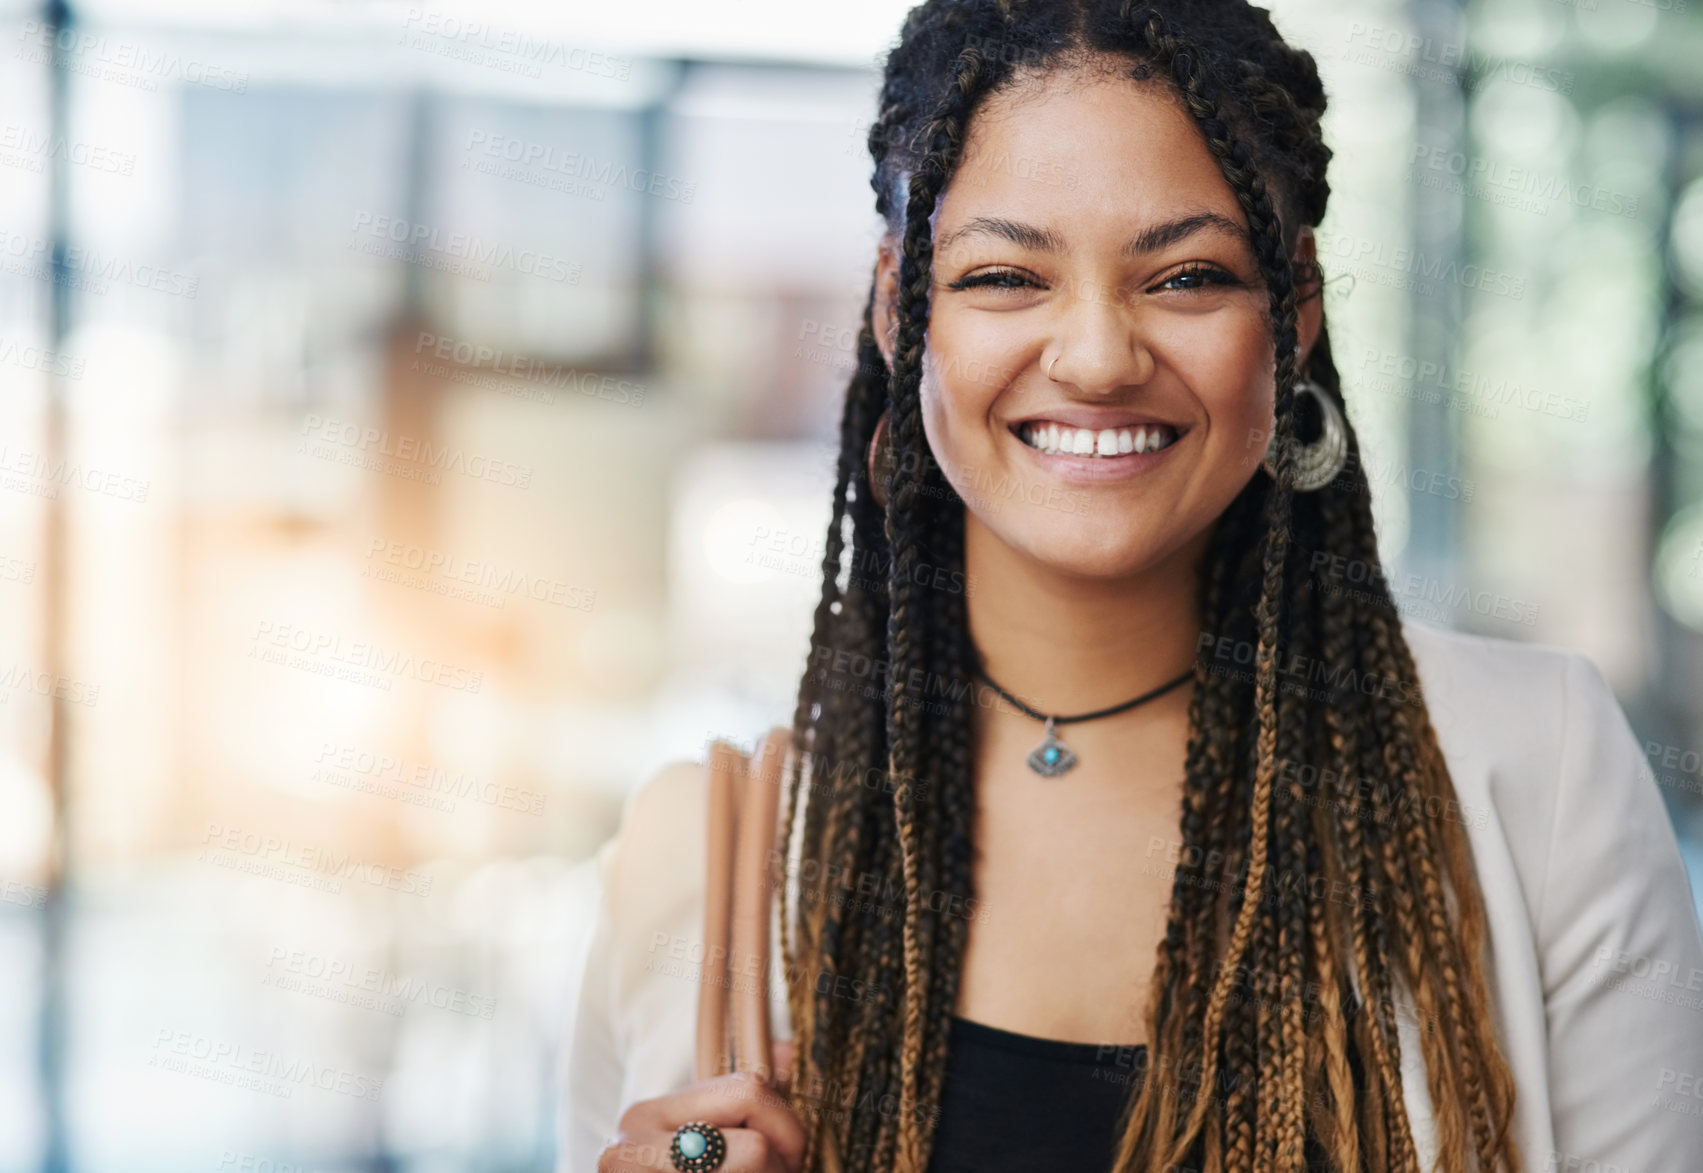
[
  {"x": 885, "y": 315},
  {"x": 1309, "y": 296}
]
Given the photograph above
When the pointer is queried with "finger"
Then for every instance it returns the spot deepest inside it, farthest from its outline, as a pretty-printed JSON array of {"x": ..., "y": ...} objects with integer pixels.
[
  {"x": 728, "y": 1101},
  {"x": 748, "y": 1151},
  {"x": 630, "y": 1155},
  {"x": 757, "y": 1107},
  {"x": 776, "y": 1074},
  {"x": 785, "y": 1054}
]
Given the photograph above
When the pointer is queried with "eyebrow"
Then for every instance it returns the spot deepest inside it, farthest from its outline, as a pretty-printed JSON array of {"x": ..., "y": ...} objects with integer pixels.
[{"x": 1149, "y": 240}]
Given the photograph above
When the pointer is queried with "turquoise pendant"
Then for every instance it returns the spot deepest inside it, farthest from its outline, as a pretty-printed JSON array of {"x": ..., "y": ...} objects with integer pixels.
[{"x": 1052, "y": 757}]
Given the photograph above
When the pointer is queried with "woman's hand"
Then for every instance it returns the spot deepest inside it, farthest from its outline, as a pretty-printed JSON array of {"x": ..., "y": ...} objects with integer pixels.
[{"x": 763, "y": 1135}]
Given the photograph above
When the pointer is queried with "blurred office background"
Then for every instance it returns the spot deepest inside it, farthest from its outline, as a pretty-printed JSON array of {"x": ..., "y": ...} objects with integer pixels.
[{"x": 416, "y": 427}]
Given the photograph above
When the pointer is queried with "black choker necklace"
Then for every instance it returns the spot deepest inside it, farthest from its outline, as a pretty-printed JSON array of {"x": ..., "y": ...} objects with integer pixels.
[{"x": 1053, "y": 757}]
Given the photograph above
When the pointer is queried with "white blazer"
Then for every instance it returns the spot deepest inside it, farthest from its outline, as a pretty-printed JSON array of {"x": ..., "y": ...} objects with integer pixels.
[{"x": 1596, "y": 953}]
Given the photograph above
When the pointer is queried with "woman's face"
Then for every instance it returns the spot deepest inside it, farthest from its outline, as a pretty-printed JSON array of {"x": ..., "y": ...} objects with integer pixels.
[{"x": 1089, "y": 231}]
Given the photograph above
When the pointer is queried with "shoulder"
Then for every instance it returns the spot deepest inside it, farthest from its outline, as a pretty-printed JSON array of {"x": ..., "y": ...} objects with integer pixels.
[
  {"x": 1506, "y": 709},
  {"x": 1500, "y": 696},
  {"x": 1534, "y": 733},
  {"x": 655, "y": 860},
  {"x": 632, "y": 1029},
  {"x": 1594, "y": 931},
  {"x": 1538, "y": 748},
  {"x": 1469, "y": 678},
  {"x": 666, "y": 804},
  {"x": 654, "y": 870}
]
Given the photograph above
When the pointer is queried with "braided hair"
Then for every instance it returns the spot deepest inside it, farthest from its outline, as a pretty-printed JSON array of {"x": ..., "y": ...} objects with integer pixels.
[{"x": 1272, "y": 1013}]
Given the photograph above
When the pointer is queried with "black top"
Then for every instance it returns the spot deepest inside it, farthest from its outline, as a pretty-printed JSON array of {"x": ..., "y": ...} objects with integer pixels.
[{"x": 1014, "y": 1101}]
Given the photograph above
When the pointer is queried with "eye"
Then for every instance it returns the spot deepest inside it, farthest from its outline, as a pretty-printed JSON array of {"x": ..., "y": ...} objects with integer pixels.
[
  {"x": 996, "y": 279},
  {"x": 1199, "y": 276}
]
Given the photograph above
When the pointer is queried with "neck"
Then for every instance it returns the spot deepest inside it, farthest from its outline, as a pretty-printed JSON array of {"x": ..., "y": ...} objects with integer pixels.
[{"x": 1064, "y": 644}]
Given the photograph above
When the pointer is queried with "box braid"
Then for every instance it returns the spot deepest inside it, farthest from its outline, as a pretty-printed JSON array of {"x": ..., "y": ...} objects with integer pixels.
[{"x": 1243, "y": 1072}]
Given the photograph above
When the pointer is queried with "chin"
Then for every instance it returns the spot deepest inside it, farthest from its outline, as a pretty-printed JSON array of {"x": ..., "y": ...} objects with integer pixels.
[{"x": 1082, "y": 549}]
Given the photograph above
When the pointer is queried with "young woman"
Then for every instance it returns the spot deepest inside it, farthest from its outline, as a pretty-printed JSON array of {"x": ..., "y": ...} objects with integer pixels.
[{"x": 1194, "y": 855}]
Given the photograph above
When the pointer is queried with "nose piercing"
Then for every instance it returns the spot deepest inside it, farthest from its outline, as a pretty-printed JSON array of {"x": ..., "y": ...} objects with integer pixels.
[{"x": 1051, "y": 365}]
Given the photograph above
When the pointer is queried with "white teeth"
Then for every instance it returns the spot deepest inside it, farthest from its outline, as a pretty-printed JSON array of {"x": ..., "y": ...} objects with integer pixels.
[{"x": 1058, "y": 439}]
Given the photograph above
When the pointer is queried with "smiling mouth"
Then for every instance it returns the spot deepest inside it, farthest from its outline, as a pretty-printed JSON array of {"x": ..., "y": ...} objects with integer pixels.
[{"x": 1062, "y": 440}]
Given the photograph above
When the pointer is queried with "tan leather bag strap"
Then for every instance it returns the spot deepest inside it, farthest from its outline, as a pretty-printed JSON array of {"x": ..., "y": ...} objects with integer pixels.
[
  {"x": 743, "y": 832},
  {"x": 727, "y": 768}
]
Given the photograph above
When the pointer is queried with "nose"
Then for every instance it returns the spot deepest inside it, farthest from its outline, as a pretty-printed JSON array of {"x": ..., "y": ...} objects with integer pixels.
[{"x": 1099, "y": 343}]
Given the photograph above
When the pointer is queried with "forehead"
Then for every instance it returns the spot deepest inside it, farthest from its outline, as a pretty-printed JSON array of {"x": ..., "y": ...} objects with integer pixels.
[{"x": 1086, "y": 146}]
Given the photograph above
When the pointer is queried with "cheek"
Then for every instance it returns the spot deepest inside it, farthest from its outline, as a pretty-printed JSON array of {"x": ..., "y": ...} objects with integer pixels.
[
  {"x": 970, "y": 360},
  {"x": 1226, "y": 359}
]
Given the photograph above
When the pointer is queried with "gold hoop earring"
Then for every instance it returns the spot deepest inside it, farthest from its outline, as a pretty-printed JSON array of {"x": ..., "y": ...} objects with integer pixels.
[{"x": 1321, "y": 462}]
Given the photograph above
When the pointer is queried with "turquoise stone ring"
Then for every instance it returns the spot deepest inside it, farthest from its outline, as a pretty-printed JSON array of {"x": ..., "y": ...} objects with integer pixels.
[{"x": 698, "y": 1147}]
